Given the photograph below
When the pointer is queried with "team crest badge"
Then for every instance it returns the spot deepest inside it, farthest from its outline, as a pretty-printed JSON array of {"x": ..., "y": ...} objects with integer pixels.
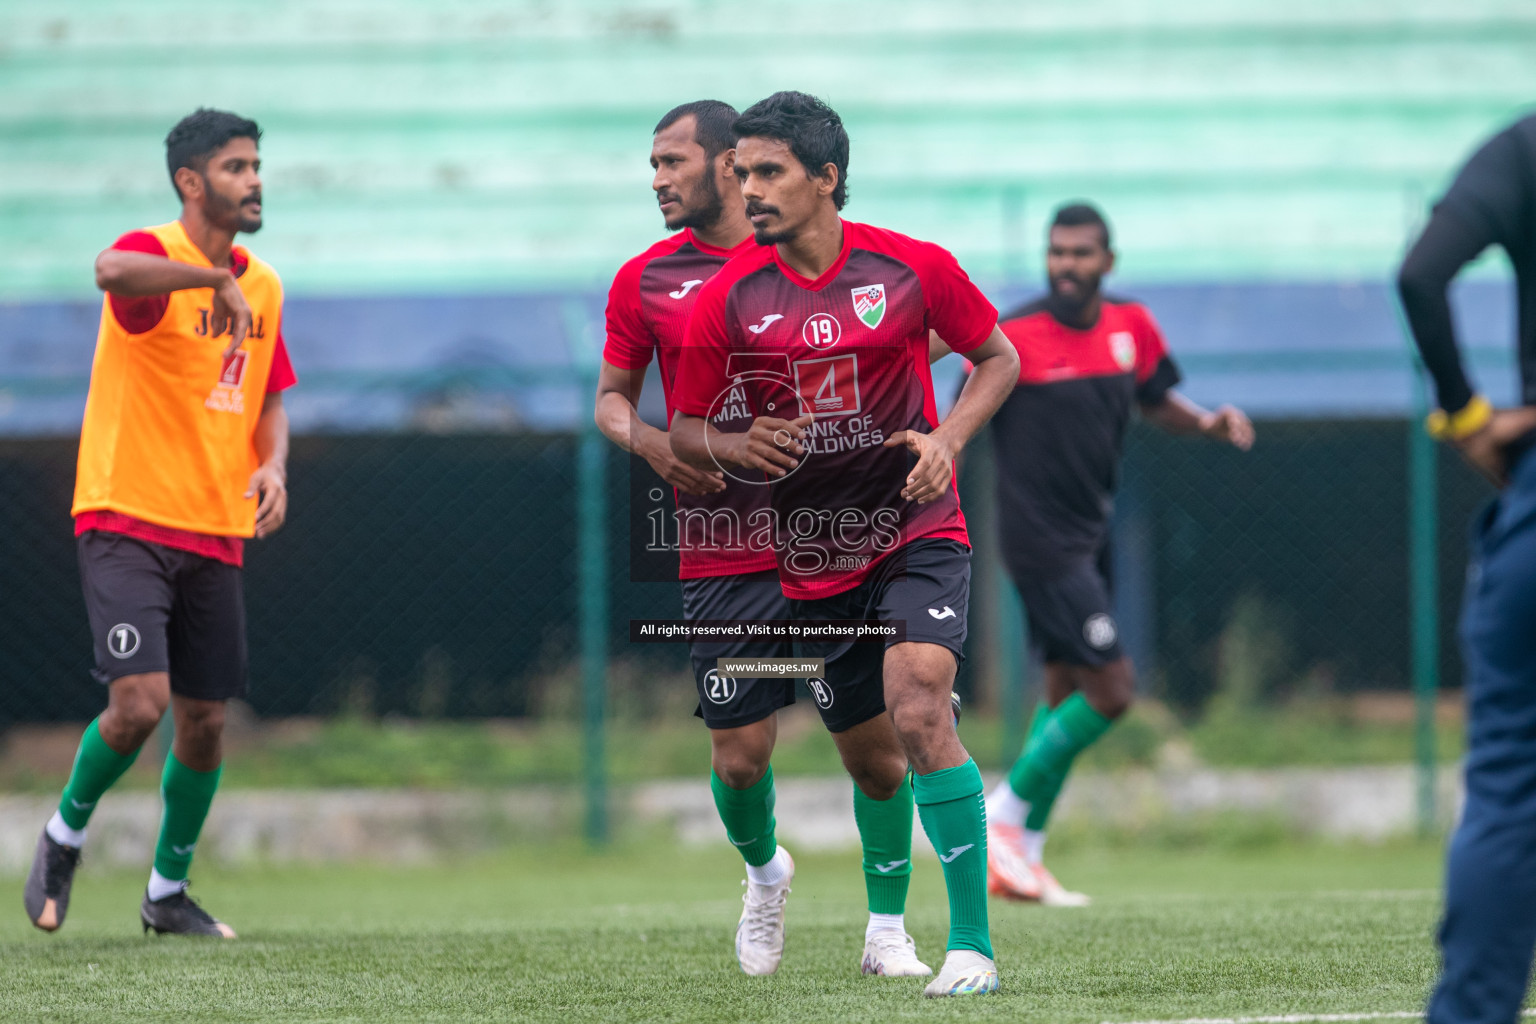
[
  {"x": 1122, "y": 345},
  {"x": 869, "y": 304}
]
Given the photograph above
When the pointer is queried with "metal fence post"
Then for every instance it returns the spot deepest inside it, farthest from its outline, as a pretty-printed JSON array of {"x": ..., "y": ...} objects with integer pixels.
[
  {"x": 1423, "y": 556},
  {"x": 1013, "y": 661},
  {"x": 1012, "y": 665},
  {"x": 592, "y": 581},
  {"x": 592, "y": 544},
  {"x": 1424, "y": 605}
]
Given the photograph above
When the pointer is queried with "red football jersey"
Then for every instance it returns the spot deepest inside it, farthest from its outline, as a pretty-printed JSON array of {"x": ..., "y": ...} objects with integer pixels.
[
  {"x": 648, "y": 309},
  {"x": 1058, "y": 438},
  {"x": 850, "y": 348}
]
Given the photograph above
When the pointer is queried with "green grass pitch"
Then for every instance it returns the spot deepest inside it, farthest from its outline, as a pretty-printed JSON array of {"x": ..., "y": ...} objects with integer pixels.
[{"x": 644, "y": 934}]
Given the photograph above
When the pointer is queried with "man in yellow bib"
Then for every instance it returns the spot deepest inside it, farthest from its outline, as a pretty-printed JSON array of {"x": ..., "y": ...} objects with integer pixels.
[{"x": 183, "y": 455}]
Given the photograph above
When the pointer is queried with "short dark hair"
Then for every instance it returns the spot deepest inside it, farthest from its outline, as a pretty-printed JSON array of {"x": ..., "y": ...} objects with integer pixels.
[
  {"x": 811, "y": 129},
  {"x": 1075, "y": 215},
  {"x": 712, "y": 122},
  {"x": 201, "y": 134}
]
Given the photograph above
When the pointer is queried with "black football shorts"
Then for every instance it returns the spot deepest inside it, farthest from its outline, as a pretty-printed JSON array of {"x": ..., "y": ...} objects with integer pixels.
[
  {"x": 1071, "y": 613},
  {"x": 925, "y": 585},
  {"x": 725, "y": 702},
  {"x": 157, "y": 609}
]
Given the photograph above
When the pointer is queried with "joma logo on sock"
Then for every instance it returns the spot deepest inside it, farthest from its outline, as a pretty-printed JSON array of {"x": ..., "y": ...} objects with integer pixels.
[
  {"x": 955, "y": 851},
  {"x": 892, "y": 866}
]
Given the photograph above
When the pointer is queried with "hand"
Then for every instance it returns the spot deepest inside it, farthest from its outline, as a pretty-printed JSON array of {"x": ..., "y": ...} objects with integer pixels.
[
  {"x": 271, "y": 483},
  {"x": 658, "y": 452},
  {"x": 770, "y": 445},
  {"x": 935, "y": 469},
  {"x": 230, "y": 311},
  {"x": 1228, "y": 424},
  {"x": 1486, "y": 450}
]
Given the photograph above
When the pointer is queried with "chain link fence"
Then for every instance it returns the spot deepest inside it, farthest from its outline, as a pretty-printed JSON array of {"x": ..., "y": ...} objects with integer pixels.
[
  {"x": 1284, "y": 571},
  {"x": 438, "y": 576}
]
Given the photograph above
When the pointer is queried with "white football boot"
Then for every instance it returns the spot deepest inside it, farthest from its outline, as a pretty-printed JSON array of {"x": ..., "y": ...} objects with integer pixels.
[
  {"x": 760, "y": 932},
  {"x": 965, "y": 973},
  {"x": 1053, "y": 894},
  {"x": 893, "y": 954}
]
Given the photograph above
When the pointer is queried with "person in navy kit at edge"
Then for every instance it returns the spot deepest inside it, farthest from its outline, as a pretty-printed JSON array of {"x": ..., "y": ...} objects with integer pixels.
[{"x": 1487, "y": 934}]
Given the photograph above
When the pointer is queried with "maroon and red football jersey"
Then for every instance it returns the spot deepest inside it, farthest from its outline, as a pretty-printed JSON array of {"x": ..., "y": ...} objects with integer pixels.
[
  {"x": 850, "y": 348},
  {"x": 648, "y": 308}
]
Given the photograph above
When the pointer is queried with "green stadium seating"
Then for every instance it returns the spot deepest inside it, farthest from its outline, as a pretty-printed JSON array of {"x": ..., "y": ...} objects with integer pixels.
[{"x": 449, "y": 145}]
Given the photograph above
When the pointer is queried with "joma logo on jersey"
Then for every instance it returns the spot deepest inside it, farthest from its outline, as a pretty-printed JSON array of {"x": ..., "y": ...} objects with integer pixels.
[
  {"x": 869, "y": 304},
  {"x": 228, "y": 395},
  {"x": 258, "y": 326},
  {"x": 829, "y": 386}
]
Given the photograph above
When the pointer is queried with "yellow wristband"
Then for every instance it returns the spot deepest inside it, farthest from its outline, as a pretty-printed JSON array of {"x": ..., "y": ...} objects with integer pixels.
[{"x": 1466, "y": 421}]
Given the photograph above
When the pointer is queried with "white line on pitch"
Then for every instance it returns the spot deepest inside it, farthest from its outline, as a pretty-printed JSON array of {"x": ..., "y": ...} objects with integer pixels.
[{"x": 1303, "y": 1018}]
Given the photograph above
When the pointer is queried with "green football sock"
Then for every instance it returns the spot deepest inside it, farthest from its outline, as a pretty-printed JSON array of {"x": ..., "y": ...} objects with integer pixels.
[
  {"x": 187, "y": 795},
  {"x": 1036, "y": 725},
  {"x": 1045, "y": 795},
  {"x": 1037, "y": 776},
  {"x": 97, "y": 767},
  {"x": 950, "y": 804},
  {"x": 885, "y": 830},
  {"x": 748, "y": 817}
]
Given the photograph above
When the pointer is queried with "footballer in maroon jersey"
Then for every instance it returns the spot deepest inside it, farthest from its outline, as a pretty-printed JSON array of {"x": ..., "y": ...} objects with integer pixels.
[
  {"x": 727, "y": 558},
  {"x": 648, "y": 309},
  {"x": 821, "y": 335},
  {"x": 1086, "y": 361}
]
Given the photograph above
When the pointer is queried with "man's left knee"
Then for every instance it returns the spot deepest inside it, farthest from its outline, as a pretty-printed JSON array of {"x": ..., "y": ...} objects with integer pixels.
[
  {"x": 1109, "y": 689},
  {"x": 878, "y": 778},
  {"x": 201, "y": 721}
]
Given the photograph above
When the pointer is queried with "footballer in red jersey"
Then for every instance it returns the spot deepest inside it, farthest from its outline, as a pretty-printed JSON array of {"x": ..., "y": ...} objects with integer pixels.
[
  {"x": 1087, "y": 361},
  {"x": 727, "y": 559},
  {"x": 821, "y": 336},
  {"x": 183, "y": 455}
]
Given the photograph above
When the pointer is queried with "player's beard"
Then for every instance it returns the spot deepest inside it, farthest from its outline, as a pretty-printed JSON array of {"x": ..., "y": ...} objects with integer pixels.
[
  {"x": 705, "y": 210},
  {"x": 230, "y": 213},
  {"x": 764, "y": 235},
  {"x": 1072, "y": 305}
]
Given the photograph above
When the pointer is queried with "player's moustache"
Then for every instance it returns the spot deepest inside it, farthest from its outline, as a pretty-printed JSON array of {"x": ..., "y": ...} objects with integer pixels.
[
  {"x": 254, "y": 197},
  {"x": 668, "y": 197},
  {"x": 753, "y": 209}
]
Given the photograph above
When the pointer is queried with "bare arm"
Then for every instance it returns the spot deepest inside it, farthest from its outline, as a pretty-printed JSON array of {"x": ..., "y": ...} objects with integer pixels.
[
  {"x": 770, "y": 444},
  {"x": 688, "y": 437},
  {"x": 136, "y": 274},
  {"x": 936, "y": 348},
  {"x": 1178, "y": 415},
  {"x": 995, "y": 371},
  {"x": 618, "y": 392},
  {"x": 270, "y": 480}
]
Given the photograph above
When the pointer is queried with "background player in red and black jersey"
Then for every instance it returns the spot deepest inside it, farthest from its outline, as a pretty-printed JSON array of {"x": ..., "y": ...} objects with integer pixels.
[
  {"x": 724, "y": 576},
  {"x": 822, "y": 332},
  {"x": 1086, "y": 361}
]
